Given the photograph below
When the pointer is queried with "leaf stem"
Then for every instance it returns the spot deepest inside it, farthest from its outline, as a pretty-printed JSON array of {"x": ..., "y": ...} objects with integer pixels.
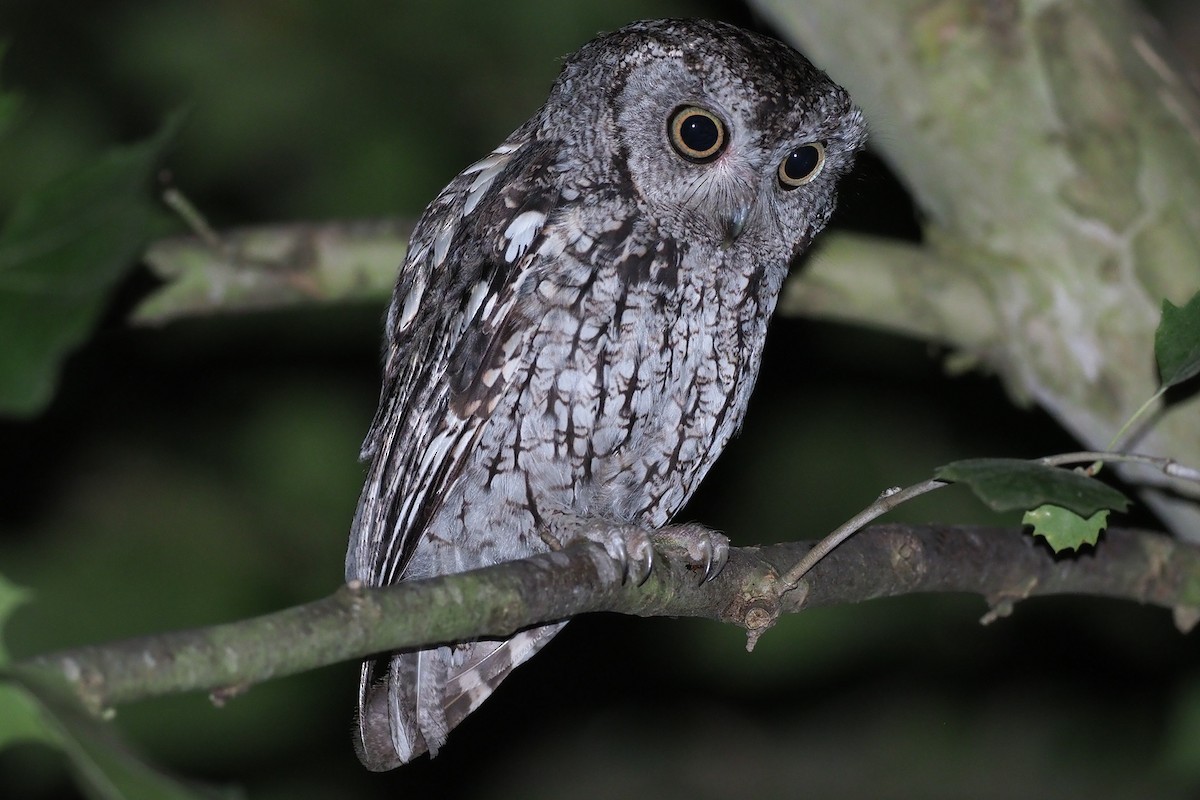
[{"x": 1137, "y": 415}]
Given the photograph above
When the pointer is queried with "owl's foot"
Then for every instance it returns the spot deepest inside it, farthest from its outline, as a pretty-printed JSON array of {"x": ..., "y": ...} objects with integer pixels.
[
  {"x": 628, "y": 545},
  {"x": 632, "y": 547},
  {"x": 706, "y": 550}
]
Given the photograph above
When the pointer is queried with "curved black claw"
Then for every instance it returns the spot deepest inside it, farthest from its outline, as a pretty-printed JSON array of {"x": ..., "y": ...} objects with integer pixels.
[
  {"x": 630, "y": 546},
  {"x": 705, "y": 549}
]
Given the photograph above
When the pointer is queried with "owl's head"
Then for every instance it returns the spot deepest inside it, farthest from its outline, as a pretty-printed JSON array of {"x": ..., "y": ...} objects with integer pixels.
[{"x": 722, "y": 134}]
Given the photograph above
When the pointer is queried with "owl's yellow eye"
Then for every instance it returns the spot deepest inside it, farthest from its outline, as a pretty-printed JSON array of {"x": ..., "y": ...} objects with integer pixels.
[
  {"x": 801, "y": 165},
  {"x": 696, "y": 134}
]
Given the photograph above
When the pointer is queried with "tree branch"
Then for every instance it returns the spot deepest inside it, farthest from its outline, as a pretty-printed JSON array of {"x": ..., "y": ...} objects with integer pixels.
[
  {"x": 1002, "y": 565},
  {"x": 273, "y": 266},
  {"x": 905, "y": 288}
]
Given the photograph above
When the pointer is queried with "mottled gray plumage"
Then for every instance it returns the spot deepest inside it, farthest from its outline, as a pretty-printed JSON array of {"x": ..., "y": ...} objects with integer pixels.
[{"x": 577, "y": 327}]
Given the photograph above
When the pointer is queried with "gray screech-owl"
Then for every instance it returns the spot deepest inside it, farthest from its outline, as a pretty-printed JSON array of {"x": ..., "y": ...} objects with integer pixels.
[{"x": 576, "y": 330}]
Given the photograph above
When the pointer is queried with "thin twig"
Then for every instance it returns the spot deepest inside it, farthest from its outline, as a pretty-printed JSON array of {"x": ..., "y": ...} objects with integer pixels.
[
  {"x": 885, "y": 503},
  {"x": 177, "y": 201},
  {"x": 1168, "y": 466}
]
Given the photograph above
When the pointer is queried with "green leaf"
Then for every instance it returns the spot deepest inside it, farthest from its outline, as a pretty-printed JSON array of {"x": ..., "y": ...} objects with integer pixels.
[
  {"x": 11, "y": 596},
  {"x": 61, "y": 251},
  {"x": 20, "y": 717},
  {"x": 36, "y": 707},
  {"x": 1177, "y": 341},
  {"x": 1063, "y": 529},
  {"x": 1010, "y": 484}
]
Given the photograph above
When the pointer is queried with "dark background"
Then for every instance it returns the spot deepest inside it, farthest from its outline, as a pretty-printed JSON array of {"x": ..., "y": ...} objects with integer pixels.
[{"x": 206, "y": 471}]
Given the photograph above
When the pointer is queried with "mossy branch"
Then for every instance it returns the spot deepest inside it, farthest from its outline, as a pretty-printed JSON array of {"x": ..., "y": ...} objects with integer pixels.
[{"x": 1001, "y": 565}]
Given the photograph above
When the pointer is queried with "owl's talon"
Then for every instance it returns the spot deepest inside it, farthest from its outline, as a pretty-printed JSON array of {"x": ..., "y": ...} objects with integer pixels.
[
  {"x": 643, "y": 558},
  {"x": 720, "y": 557},
  {"x": 702, "y": 547},
  {"x": 630, "y": 547}
]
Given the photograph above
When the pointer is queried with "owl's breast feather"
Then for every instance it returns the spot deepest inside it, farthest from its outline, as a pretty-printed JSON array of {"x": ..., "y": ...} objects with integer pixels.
[{"x": 632, "y": 386}]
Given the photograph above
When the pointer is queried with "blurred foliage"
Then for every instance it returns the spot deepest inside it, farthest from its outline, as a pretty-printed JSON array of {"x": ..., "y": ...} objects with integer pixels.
[
  {"x": 207, "y": 471},
  {"x": 1177, "y": 342},
  {"x": 61, "y": 250}
]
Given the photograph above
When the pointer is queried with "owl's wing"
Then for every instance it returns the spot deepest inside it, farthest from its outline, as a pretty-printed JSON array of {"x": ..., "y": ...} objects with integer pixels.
[{"x": 455, "y": 315}]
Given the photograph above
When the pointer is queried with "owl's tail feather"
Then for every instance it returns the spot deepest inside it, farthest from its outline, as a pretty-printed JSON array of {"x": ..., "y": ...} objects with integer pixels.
[
  {"x": 486, "y": 665},
  {"x": 408, "y": 704}
]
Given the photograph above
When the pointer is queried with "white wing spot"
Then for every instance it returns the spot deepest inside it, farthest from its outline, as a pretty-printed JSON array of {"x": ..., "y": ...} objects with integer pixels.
[
  {"x": 475, "y": 301},
  {"x": 485, "y": 163},
  {"x": 488, "y": 168},
  {"x": 475, "y": 192},
  {"x": 411, "y": 303},
  {"x": 441, "y": 245},
  {"x": 490, "y": 306},
  {"x": 521, "y": 232}
]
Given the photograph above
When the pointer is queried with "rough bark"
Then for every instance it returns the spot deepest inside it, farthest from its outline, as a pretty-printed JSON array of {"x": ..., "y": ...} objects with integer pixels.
[{"x": 1003, "y": 566}]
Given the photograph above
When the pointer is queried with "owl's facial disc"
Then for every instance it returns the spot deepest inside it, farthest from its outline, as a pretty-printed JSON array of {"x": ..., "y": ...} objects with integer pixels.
[
  {"x": 700, "y": 137},
  {"x": 722, "y": 195}
]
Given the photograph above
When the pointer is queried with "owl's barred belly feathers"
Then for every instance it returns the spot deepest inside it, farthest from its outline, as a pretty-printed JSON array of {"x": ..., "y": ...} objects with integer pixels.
[{"x": 578, "y": 324}]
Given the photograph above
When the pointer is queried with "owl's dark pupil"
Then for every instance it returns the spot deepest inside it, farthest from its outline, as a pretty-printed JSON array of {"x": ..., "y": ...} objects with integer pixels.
[
  {"x": 699, "y": 133},
  {"x": 801, "y": 162}
]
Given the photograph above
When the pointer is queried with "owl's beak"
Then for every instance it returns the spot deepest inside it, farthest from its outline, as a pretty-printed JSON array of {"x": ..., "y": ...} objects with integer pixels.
[{"x": 736, "y": 223}]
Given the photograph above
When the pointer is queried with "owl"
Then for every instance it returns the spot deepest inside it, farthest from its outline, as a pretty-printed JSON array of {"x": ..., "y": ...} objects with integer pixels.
[{"x": 576, "y": 330}]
